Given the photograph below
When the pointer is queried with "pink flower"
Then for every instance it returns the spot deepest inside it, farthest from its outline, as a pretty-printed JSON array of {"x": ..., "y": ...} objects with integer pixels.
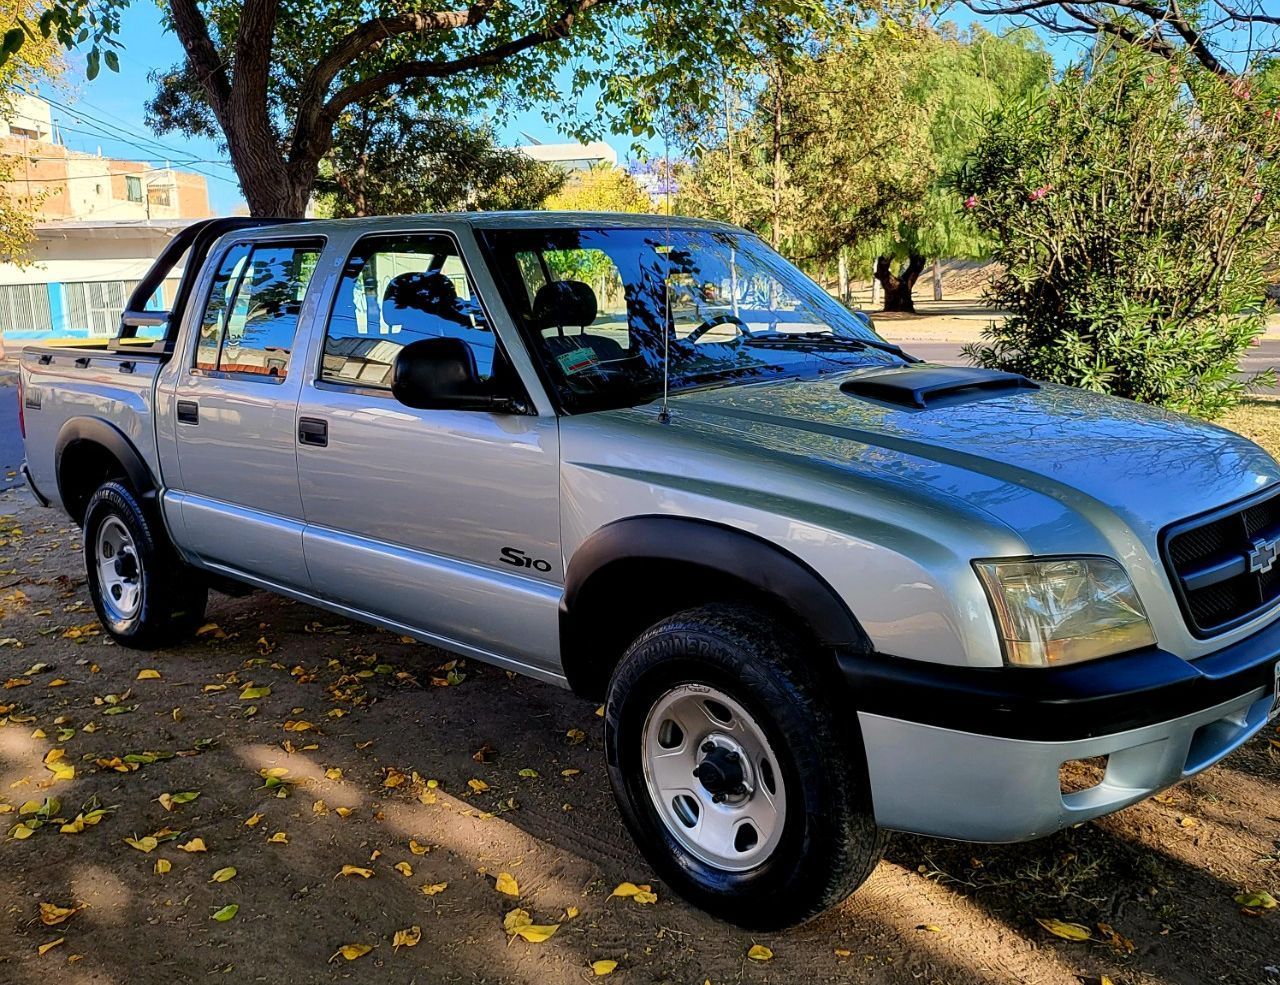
[
  {"x": 971, "y": 202},
  {"x": 1240, "y": 89},
  {"x": 1257, "y": 197},
  {"x": 1039, "y": 193}
]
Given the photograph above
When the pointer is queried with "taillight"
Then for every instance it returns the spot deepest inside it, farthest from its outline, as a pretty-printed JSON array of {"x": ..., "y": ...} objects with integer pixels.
[{"x": 22, "y": 417}]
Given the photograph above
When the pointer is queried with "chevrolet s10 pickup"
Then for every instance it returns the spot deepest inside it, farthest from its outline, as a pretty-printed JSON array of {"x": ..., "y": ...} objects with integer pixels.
[{"x": 825, "y": 590}]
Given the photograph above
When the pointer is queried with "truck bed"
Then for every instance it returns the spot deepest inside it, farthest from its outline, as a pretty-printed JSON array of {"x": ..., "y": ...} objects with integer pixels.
[{"x": 60, "y": 383}]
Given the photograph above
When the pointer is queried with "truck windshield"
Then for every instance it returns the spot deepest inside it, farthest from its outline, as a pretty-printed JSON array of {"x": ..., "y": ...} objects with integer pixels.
[{"x": 603, "y": 308}]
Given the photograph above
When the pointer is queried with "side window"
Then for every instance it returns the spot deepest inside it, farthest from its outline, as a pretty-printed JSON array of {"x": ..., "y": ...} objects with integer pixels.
[
  {"x": 252, "y": 312},
  {"x": 396, "y": 290}
]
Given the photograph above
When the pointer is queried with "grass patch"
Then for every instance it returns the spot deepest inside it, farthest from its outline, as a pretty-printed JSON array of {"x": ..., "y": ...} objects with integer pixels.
[{"x": 1257, "y": 420}]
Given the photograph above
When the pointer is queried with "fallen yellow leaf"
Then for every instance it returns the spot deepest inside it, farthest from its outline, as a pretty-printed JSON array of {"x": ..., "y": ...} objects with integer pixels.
[
  {"x": 355, "y": 870},
  {"x": 253, "y": 821},
  {"x": 506, "y": 883},
  {"x": 603, "y": 967},
  {"x": 418, "y": 849},
  {"x": 431, "y": 889},
  {"x": 51, "y": 914},
  {"x": 404, "y": 868},
  {"x": 333, "y": 773},
  {"x": 758, "y": 952},
  {"x": 516, "y": 919},
  {"x": 162, "y": 866},
  {"x": 225, "y": 874},
  {"x": 148, "y": 674},
  {"x": 535, "y": 933},
  {"x": 408, "y": 937},
  {"x": 44, "y": 949},
  {"x": 144, "y": 844},
  {"x": 625, "y": 890},
  {"x": 353, "y": 951},
  {"x": 279, "y": 838},
  {"x": 1067, "y": 931},
  {"x": 194, "y": 845},
  {"x": 478, "y": 786}
]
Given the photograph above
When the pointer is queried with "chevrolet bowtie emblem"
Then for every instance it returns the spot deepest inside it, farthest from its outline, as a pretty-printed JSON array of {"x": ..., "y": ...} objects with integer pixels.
[{"x": 1264, "y": 555}]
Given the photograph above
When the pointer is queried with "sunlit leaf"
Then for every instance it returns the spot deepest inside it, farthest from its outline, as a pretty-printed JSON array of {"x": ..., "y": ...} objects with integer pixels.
[
  {"x": 279, "y": 838},
  {"x": 537, "y": 933},
  {"x": 516, "y": 919},
  {"x": 506, "y": 883},
  {"x": 254, "y": 693},
  {"x": 356, "y": 870},
  {"x": 478, "y": 786},
  {"x": 44, "y": 949},
  {"x": 224, "y": 874},
  {"x": 148, "y": 674},
  {"x": 162, "y": 866},
  {"x": 226, "y": 913},
  {"x": 1067, "y": 931},
  {"x": 604, "y": 966},
  {"x": 144, "y": 844},
  {"x": 418, "y": 849},
  {"x": 758, "y": 952},
  {"x": 404, "y": 868},
  {"x": 1261, "y": 900},
  {"x": 194, "y": 845},
  {"x": 434, "y": 888},
  {"x": 253, "y": 820},
  {"x": 409, "y": 937}
]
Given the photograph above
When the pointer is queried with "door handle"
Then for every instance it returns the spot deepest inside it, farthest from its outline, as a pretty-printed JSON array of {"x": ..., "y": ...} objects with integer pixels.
[
  {"x": 188, "y": 412},
  {"x": 313, "y": 431}
]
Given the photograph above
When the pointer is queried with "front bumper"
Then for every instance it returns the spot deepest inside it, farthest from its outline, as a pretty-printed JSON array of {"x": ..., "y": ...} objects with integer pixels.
[{"x": 976, "y": 754}]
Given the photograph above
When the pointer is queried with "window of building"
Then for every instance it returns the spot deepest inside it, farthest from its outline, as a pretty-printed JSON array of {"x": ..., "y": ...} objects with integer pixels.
[
  {"x": 95, "y": 306},
  {"x": 252, "y": 312},
  {"x": 24, "y": 309},
  {"x": 396, "y": 290},
  {"x": 133, "y": 187}
]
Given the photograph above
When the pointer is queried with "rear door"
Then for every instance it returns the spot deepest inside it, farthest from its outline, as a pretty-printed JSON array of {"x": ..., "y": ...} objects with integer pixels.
[{"x": 234, "y": 403}]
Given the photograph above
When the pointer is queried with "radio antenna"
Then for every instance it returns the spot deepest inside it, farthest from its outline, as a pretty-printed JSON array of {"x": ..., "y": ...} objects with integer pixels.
[{"x": 664, "y": 414}]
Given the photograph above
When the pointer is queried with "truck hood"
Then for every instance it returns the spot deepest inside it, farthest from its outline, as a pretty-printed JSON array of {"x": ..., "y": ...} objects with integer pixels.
[{"x": 1008, "y": 453}]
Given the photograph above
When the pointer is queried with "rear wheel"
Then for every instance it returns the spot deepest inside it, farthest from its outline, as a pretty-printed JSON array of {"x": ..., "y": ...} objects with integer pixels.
[
  {"x": 144, "y": 595},
  {"x": 738, "y": 782}
]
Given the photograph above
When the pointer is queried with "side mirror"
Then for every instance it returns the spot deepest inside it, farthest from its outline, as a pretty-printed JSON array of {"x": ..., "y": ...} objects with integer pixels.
[{"x": 440, "y": 374}]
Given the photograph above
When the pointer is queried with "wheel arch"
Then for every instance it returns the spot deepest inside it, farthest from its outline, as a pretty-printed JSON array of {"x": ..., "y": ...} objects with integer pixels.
[
  {"x": 684, "y": 562},
  {"x": 88, "y": 452}
]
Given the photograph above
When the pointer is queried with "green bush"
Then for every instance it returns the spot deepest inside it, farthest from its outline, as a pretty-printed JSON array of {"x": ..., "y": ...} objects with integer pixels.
[{"x": 1132, "y": 206}]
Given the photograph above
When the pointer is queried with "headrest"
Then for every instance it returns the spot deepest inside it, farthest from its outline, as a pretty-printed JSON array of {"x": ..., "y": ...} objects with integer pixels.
[
  {"x": 429, "y": 292},
  {"x": 564, "y": 303}
]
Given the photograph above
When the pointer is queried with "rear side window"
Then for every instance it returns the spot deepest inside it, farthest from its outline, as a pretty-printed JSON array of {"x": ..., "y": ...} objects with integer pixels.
[
  {"x": 251, "y": 316},
  {"x": 396, "y": 290}
]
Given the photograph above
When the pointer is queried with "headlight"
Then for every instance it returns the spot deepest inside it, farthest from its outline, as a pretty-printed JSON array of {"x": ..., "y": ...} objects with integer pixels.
[{"x": 1055, "y": 611}]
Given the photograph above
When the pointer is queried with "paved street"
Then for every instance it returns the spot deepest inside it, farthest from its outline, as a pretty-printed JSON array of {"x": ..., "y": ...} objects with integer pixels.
[{"x": 1265, "y": 354}]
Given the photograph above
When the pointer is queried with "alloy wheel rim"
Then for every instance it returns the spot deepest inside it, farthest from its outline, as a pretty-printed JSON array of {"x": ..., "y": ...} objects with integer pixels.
[
  {"x": 713, "y": 777},
  {"x": 119, "y": 570}
]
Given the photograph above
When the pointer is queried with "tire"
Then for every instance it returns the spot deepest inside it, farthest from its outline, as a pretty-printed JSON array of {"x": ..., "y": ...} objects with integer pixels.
[
  {"x": 816, "y": 840},
  {"x": 145, "y": 597}
]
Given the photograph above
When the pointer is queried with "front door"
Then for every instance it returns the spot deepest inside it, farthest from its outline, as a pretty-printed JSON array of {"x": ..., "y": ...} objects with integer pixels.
[
  {"x": 234, "y": 404},
  {"x": 444, "y": 522}
]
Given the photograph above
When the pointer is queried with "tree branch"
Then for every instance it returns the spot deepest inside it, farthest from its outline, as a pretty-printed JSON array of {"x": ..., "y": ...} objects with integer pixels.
[
  {"x": 193, "y": 33},
  {"x": 313, "y": 137}
]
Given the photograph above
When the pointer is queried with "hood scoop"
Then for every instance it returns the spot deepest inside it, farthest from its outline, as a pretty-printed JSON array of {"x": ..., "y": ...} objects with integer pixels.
[{"x": 923, "y": 385}]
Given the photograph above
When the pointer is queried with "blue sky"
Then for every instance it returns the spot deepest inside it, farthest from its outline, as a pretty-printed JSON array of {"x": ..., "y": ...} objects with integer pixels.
[{"x": 108, "y": 113}]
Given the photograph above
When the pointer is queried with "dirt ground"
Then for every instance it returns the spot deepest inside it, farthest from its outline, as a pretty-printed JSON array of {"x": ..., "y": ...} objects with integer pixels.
[{"x": 381, "y": 740}]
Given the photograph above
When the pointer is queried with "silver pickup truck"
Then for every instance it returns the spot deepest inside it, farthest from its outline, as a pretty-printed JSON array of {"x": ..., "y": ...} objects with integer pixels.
[{"x": 825, "y": 590}]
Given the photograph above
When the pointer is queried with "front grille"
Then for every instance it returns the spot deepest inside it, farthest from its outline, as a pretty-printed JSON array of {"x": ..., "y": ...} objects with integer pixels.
[{"x": 1225, "y": 565}]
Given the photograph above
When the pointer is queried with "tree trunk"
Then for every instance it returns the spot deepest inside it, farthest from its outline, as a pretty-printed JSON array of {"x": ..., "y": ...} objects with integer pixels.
[
  {"x": 875, "y": 287},
  {"x": 842, "y": 275},
  {"x": 898, "y": 287},
  {"x": 937, "y": 280}
]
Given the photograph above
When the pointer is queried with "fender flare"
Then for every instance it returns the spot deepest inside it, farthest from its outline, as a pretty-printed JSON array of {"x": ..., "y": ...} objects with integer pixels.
[
  {"x": 747, "y": 557},
  {"x": 110, "y": 437}
]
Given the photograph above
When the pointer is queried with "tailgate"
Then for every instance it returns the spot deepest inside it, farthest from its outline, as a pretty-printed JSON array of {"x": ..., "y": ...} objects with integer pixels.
[{"x": 62, "y": 383}]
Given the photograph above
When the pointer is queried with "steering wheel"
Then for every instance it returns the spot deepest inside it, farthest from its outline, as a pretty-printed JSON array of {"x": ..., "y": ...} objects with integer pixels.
[{"x": 718, "y": 320}]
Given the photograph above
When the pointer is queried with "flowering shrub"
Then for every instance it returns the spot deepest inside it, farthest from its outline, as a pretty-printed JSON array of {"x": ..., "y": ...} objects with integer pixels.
[{"x": 1133, "y": 209}]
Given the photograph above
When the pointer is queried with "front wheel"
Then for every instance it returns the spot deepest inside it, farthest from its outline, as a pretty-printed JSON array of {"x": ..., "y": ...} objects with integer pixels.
[
  {"x": 144, "y": 596},
  {"x": 732, "y": 772}
]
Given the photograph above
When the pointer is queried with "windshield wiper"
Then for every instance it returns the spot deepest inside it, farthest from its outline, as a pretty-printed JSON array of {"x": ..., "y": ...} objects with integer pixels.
[{"x": 826, "y": 338}]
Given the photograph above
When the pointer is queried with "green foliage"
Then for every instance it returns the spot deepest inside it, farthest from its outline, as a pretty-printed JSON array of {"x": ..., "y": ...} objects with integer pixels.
[
  {"x": 1132, "y": 209},
  {"x": 851, "y": 142},
  {"x": 956, "y": 79},
  {"x": 68, "y": 24},
  {"x": 387, "y": 160},
  {"x": 602, "y": 188}
]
